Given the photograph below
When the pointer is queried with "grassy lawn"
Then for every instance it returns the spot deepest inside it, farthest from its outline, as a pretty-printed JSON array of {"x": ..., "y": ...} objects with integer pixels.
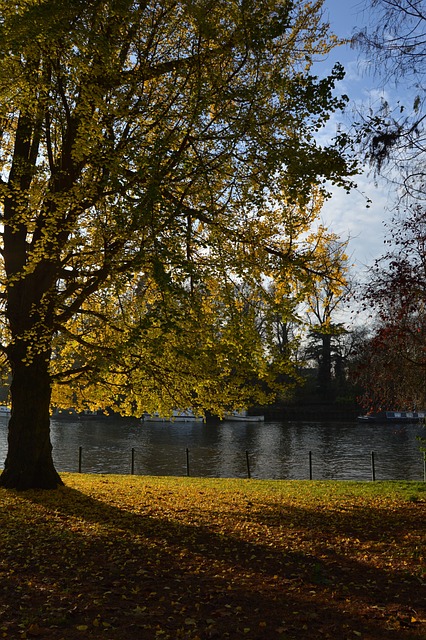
[{"x": 128, "y": 557}]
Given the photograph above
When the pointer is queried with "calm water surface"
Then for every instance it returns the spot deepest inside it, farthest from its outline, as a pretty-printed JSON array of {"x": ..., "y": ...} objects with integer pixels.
[{"x": 340, "y": 450}]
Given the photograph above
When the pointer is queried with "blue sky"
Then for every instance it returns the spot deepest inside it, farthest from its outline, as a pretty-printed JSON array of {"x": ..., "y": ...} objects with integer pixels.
[{"x": 347, "y": 215}]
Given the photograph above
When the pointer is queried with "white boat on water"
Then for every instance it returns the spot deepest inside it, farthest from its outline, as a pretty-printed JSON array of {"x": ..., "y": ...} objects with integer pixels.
[
  {"x": 394, "y": 416},
  {"x": 406, "y": 416},
  {"x": 4, "y": 410},
  {"x": 242, "y": 416},
  {"x": 178, "y": 415}
]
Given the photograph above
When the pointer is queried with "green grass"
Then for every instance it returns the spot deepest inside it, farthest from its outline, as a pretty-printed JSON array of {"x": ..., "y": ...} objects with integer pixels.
[{"x": 121, "y": 557}]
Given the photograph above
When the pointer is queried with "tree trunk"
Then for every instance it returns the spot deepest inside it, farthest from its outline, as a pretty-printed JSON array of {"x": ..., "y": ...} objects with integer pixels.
[
  {"x": 29, "y": 462},
  {"x": 324, "y": 371}
]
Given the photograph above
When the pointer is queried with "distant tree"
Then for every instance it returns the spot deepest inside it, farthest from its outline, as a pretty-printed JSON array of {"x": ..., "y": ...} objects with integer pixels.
[
  {"x": 325, "y": 299},
  {"x": 392, "y": 369}
]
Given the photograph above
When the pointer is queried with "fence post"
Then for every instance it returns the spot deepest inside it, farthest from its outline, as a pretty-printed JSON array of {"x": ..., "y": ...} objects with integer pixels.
[
  {"x": 310, "y": 465},
  {"x": 373, "y": 468},
  {"x": 132, "y": 470},
  {"x": 248, "y": 465},
  {"x": 187, "y": 461},
  {"x": 80, "y": 456},
  {"x": 424, "y": 466}
]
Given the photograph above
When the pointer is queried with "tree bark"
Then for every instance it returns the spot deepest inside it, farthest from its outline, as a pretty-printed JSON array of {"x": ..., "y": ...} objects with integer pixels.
[
  {"x": 324, "y": 371},
  {"x": 29, "y": 462}
]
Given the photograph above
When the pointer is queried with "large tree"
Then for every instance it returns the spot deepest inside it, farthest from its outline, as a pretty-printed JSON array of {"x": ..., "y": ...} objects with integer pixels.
[{"x": 147, "y": 150}]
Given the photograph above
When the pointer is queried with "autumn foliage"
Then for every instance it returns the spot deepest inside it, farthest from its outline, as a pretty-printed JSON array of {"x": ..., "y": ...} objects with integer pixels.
[
  {"x": 393, "y": 363},
  {"x": 154, "y": 157}
]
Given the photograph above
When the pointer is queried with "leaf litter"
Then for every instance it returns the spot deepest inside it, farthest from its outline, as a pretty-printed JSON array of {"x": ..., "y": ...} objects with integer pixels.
[{"x": 122, "y": 557}]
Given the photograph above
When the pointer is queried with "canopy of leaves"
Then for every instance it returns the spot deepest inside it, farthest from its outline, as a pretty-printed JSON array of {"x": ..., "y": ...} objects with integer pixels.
[{"x": 152, "y": 156}]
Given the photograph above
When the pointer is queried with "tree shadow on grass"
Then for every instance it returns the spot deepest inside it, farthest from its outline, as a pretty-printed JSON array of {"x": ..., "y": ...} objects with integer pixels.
[{"x": 75, "y": 563}]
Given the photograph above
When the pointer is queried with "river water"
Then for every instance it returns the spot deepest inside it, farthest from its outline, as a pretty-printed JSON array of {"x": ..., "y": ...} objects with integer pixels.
[{"x": 285, "y": 450}]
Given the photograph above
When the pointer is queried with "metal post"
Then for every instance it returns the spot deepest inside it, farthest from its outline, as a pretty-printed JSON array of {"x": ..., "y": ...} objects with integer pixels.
[
  {"x": 310, "y": 465},
  {"x": 373, "y": 469},
  {"x": 187, "y": 461},
  {"x": 80, "y": 456},
  {"x": 132, "y": 471},
  {"x": 424, "y": 466},
  {"x": 248, "y": 465}
]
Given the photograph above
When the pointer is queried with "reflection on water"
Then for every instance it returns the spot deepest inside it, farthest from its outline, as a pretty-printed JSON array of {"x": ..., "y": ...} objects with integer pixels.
[{"x": 340, "y": 450}]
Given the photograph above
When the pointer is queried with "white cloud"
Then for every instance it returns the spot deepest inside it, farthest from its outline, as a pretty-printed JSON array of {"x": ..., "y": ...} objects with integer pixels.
[{"x": 349, "y": 216}]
